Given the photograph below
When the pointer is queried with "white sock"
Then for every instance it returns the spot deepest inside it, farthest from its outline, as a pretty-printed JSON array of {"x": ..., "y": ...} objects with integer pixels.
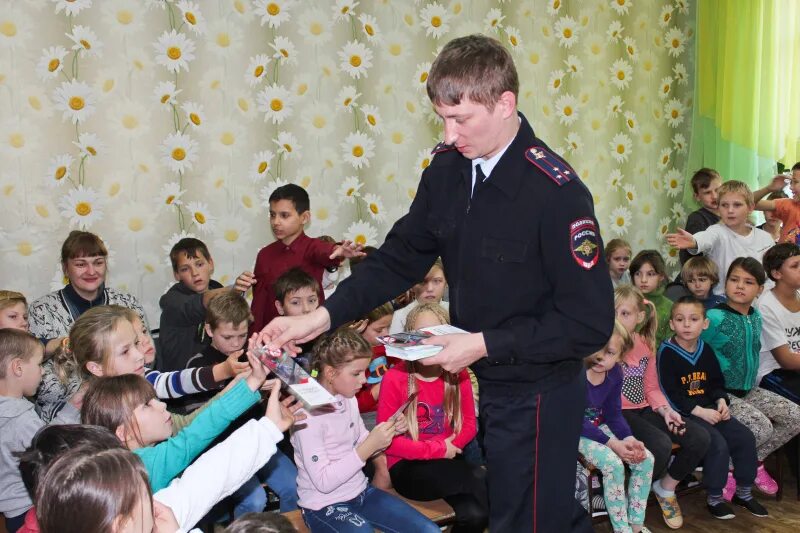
[{"x": 661, "y": 491}]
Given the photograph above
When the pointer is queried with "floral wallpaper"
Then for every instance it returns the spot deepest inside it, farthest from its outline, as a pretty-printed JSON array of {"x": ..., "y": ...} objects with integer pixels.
[{"x": 144, "y": 121}]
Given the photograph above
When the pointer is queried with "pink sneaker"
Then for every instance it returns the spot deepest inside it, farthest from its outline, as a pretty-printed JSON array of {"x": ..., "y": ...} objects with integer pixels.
[
  {"x": 764, "y": 481},
  {"x": 730, "y": 487}
]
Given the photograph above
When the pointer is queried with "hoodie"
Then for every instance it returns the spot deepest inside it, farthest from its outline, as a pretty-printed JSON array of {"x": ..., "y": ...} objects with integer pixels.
[{"x": 18, "y": 424}]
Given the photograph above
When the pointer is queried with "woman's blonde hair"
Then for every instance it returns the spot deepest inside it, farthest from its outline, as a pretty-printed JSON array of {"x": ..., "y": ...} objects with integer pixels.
[
  {"x": 89, "y": 341},
  {"x": 12, "y": 298},
  {"x": 647, "y": 329},
  {"x": 452, "y": 390}
]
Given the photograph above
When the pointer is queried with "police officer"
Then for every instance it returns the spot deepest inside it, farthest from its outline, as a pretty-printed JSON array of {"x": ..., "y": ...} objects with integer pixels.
[{"x": 522, "y": 253}]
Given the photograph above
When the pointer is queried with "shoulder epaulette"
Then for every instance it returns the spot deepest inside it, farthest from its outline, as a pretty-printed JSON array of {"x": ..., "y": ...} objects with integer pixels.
[
  {"x": 553, "y": 166},
  {"x": 442, "y": 147}
]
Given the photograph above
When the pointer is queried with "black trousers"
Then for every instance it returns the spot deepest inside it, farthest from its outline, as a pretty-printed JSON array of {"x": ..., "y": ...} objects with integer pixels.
[
  {"x": 531, "y": 443},
  {"x": 730, "y": 441},
  {"x": 461, "y": 484}
]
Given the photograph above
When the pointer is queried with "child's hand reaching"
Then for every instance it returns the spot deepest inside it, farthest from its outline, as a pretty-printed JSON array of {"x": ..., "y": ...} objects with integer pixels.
[
  {"x": 230, "y": 367},
  {"x": 722, "y": 409},
  {"x": 244, "y": 281},
  {"x": 682, "y": 240},
  {"x": 258, "y": 372},
  {"x": 282, "y": 413},
  {"x": 378, "y": 439},
  {"x": 709, "y": 415},
  {"x": 164, "y": 520},
  {"x": 451, "y": 449},
  {"x": 346, "y": 250},
  {"x": 777, "y": 183}
]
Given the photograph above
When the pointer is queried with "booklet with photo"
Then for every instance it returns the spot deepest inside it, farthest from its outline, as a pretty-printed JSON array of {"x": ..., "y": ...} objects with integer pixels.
[
  {"x": 408, "y": 345},
  {"x": 300, "y": 383}
]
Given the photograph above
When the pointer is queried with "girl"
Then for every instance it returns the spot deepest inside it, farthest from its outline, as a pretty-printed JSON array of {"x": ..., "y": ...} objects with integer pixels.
[
  {"x": 606, "y": 440},
  {"x": 13, "y": 310},
  {"x": 735, "y": 335},
  {"x": 647, "y": 411},
  {"x": 424, "y": 463},
  {"x": 127, "y": 405},
  {"x": 618, "y": 256},
  {"x": 332, "y": 447},
  {"x": 375, "y": 324},
  {"x": 649, "y": 273},
  {"x": 429, "y": 290}
]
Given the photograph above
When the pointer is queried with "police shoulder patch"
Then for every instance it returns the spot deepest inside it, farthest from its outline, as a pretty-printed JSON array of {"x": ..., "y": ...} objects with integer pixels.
[
  {"x": 443, "y": 147},
  {"x": 584, "y": 242},
  {"x": 553, "y": 166}
]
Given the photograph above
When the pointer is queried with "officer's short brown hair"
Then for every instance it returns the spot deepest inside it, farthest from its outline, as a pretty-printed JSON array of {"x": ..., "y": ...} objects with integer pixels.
[{"x": 476, "y": 67}]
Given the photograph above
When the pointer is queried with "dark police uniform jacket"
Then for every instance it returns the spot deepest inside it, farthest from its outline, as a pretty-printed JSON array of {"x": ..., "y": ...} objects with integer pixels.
[{"x": 523, "y": 259}]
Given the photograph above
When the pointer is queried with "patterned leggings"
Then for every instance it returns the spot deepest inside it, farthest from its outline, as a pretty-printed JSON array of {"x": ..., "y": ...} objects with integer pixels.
[
  {"x": 773, "y": 419},
  {"x": 613, "y": 470}
]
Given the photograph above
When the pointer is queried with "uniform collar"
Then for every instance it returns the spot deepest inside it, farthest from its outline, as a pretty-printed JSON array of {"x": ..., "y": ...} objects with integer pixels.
[{"x": 508, "y": 173}]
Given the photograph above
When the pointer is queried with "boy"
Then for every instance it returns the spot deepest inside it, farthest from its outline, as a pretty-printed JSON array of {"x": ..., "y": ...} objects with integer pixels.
[
  {"x": 733, "y": 237},
  {"x": 183, "y": 306},
  {"x": 289, "y": 212},
  {"x": 780, "y": 316},
  {"x": 692, "y": 381},
  {"x": 296, "y": 293},
  {"x": 430, "y": 290},
  {"x": 786, "y": 209},
  {"x": 699, "y": 274},
  {"x": 20, "y": 374},
  {"x": 705, "y": 184}
]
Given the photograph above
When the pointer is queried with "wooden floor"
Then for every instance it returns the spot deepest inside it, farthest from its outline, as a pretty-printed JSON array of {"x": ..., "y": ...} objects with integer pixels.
[{"x": 784, "y": 515}]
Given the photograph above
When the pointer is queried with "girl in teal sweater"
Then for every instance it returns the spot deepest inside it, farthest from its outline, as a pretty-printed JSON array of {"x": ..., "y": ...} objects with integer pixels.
[{"x": 127, "y": 405}]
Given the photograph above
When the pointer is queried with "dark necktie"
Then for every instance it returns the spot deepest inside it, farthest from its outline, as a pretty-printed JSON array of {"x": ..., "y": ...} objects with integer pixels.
[{"x": 480, "y": 180}]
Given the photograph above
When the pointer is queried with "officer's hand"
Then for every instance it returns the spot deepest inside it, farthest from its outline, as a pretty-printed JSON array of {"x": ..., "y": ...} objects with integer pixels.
[
  {"x": 459, "y": 351},
  {"x": 286, "y": 332}
]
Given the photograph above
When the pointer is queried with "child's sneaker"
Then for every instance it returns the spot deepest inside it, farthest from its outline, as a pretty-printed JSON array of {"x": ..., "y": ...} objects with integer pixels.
[
  {"x": 730, "y": 487},
  {"x": 755, "y": 508},
  {"x": 764, "y": 482},
  {"x": 720, "y": 511},
  {"x": 670, "y": 510}
]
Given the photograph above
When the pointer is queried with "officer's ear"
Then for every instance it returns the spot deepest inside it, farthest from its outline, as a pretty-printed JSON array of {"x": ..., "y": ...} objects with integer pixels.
[{"x": 506, "y": 105}]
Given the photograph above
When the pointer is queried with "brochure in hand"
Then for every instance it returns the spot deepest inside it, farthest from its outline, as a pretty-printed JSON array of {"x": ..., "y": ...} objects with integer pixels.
[
  {"x": 407, "y": 345},
  {"x": 304, "y": 387}
]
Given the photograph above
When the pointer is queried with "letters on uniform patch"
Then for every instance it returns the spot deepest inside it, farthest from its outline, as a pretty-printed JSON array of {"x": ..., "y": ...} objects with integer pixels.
[
  {"x": 553, "y": 166},
  {"x": 584, "y": 242},
  {"x": 442, "y": 147}
]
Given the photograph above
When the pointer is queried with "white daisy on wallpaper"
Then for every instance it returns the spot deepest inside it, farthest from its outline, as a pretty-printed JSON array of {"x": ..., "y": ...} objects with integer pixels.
[
  {"x": 678, "y": 212},
  {"x": 343, "y": 9},
  {"x": 314, "y": 27},
  {"x": 615, "y": 105},
  {"x": 664, "y": 158},
  {"x": 556, "y": 81},
  {"x": 355, "y": 59},
  {"x": 85, "y": 41},
  {"x": 59, "y": 170},
  {"x": 620, "y": 147},
  {"x": 615, "y": 31},
  {"x": 664, "y": 226},
  {"x": 82, "y": 207},
  {"x": 257, "y": 69},
  {"x": 285, "y": 51},
  {"x": 349, "y": 189},
  {"x": 179, "y": 152},
  {"x": 275, "y": 101},
  {"x": 223, "y": 38},
  {"x": 347, "y": 98},
  {"x": 621, "y": 73},
  {"x": 681, "y": 76},
  {"x": 493, "y": 21},
  {"x": 217, "y": 180},
  {"x": 71, "y": 7},
  {"x": 273, "y": 13},
  {"x": 665, "y": 88},
  {"x": 621, "y": 6},
  {"x": 137, "y": 61},
  {"x": 673, "y": 182},
  {"x": 166, "y": 93},
  {"x": 192, "y": 16},
  {"x": 372, "y": 118},
  {"x": 244, "y": 104},
  {"x": 226, "y": 135},
  {"x": 287, "y": 144},
  {"x": 260, "y": 166},
  {"x": 665, "y": 17},
  {"x": 513, "y": 39},
  {"x": 435, "y": 19},
  {"x": 51, "y": 62},
  {"x": 369, "y": 25},
  {"x": 76, "y": 100},
  {"x": 630, "y": 194},
  {"x": 201, "y": 217},
  {"x": 129, "y": 119},
  {"x": 375, "y": 207},
  {"x": 18, "y": 137},
  {"x": 675, "y": 41},
  {"x": 123, "y": 17},
  {"x": 357, "y": 149},
  {"x": 174, "y": 51},
  {"x": 24, "y": 247},
  {"x": 573, "y": 141},
  {"x": 232, "y": 234},
  {"x": 615, "y": 179},
  {"x": 631, "y": 49},
  {"x": 679, "y": 143},
  {"x": 620, "y": 220},
  {"x": 317, "y": 119},
  {"x": 397, "y": 137},
  {"x": 423, "y": 160},
  {"x": 195, "y": 114},
  {"x": 567, "y": 108},
  {"x": 135, "y": 220},
  {"x": 421, "y": 76},
  {"x": 574, "y": 65},
  {"x": 169, "y": 195},
  {"x": 395, "y": 46},
  {"x": 674, "y": 112},
  {"x": 646, "y": 206},
  {"x": 671, "y": 255},
  {"x": 324, "y": 212},
  {"x": 362, "y": 233},
  {"x": 566, "y": 30},
  {"x": 554, "y": 6},
  {"x": 89, "y": 144}
]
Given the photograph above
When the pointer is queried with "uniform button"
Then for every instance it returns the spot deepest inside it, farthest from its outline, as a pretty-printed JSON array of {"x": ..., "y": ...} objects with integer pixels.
[{"x": 500, "y": 258}]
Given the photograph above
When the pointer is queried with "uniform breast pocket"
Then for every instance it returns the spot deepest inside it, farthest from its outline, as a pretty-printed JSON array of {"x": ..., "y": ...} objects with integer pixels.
[
  {"x": 504, "y": 250},
  {"x": 440, "y": 226}
]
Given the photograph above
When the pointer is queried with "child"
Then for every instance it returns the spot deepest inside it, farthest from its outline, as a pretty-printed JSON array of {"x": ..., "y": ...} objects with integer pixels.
[
  {"x": 648, "y": 413},
  {"x": 332, "y": 447},
  {"x": 20, "y": 373},
  {"x": 692, "y": 381},
  {"x": 424, "y": 463},
  {"x": 618, "y": 257},
  {"x": 780, "y": 315},
  {"x": 772, "y": 224},
  {"x": 735, "y": 335},
  {"x": 261, "y": 523},
  {"x": 183, "y": 306},
  {"x": 705, "y": 185},
  {"x": 127, "y": 405},
  {"x": 13, "y": 310},
  {"x": 296, "y": 293},
  {"x": 289, "y": 212},
  {"x": 733, "y": 237},
  {"x": 430, "y": 290},
  {"x": 606, "y": 440},
  {"x": 375, "y": 324},
  {"x": 699, "y": 274},
  {"x": 788, "y": 209},
  {"x": 649, "y": 273}
]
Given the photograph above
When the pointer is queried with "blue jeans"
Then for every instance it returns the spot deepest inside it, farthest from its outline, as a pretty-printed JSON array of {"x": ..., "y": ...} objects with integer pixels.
[
  {"x": 371, "y": 509},
  {"x": 280, "y": 475}
]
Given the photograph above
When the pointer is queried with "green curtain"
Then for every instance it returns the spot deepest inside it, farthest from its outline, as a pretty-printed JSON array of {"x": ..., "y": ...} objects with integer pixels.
[{"x": 747, "y": 77}]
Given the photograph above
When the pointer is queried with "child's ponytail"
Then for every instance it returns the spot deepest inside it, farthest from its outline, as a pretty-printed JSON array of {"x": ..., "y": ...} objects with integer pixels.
[{"x": 647, "y": 329}]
